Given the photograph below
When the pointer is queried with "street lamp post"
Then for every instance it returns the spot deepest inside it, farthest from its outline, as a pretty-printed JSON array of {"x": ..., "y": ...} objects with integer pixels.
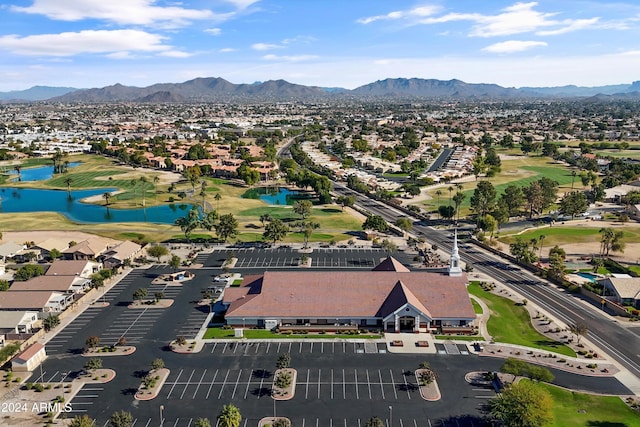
[
  {"x": 161, "y": 415},
  {"x": 390, "y": 416}
]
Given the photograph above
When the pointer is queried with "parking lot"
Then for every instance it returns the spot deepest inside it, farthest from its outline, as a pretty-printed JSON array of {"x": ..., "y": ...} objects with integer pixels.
[
  {"x": 327, "y": 347},
  {"x": 280, "y": 257}
]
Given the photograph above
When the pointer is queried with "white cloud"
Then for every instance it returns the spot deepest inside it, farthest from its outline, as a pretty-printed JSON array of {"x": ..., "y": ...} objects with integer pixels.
[
  {"x": 289, "y": 58},
  {"x": 125, "y": 12},
  {"x": 578, "y": 24},
  {"x": 242, "y": 4},
  {"x": 512, "y": 46},
  {"x": 213, "y": 31},
  {"x": 515, "y": 19},
  {"x": 417, "y": 12},
  {"x": 265, "y": 46},
  {"x": 175, "y": 54},
  {"x": 89, "y": 41},
  {"x": 227, "y": 49}
]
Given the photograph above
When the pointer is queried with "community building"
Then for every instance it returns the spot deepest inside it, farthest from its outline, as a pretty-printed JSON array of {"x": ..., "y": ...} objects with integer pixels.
[{"x": 390, "y": 297}]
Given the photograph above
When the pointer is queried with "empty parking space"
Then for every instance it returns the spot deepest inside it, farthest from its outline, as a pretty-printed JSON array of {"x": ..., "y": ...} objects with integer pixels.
[
  {"x": 84, "y": 399},
  {"x": 311, "y": 384},
  {"x": 60, "y": 343},
  {"x": 452, "y": 348},
  {"x": 133, "y": 325},
  {"x": 294, "y": 347}
]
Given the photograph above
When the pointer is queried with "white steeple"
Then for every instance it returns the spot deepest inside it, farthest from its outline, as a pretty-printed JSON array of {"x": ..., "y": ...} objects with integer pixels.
[{"x": 454, "y": 262}]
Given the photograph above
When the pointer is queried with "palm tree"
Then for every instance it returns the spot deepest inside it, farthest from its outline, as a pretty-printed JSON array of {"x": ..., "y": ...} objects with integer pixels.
[
  {"x": 540, "y": 240},
  {"x": 203, "y": 194},
  {"x": 156, "y": 180},
  {"x": 67, "y": 182},
  {"x": 18, "y": 168},
  {"x": 450, "y": 191},
  {"x": 133, "y": 184},
  {"x": 217, "y": 197},
  {"x": 459, "y": 186},
  {"x": 573, "y": 178},
  {"x": 143, "y": 183},
  {"x": 438, "y": 194},
  {"x": 107, "y": 198},
  {"x": 458, "y": 199}
]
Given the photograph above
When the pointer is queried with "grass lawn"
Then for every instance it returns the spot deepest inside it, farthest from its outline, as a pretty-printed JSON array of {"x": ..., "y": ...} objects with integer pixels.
[
  {"x": 265, "y": 334},
  {"x": 101, "y": 172},
  {"x": 476, "y": 307},
  {"x": 511, "y": 323},
  {"x": 566, "y": 234},
  {"x": 587, "y": 410},
  {"x": 519, "y": 172}
]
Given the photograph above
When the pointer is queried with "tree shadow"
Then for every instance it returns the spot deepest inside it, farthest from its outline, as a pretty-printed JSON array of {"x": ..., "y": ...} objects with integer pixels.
[
  {"x": 140, "y": 373},
  {"x": 606, "y": 424},
  {"x": 407, "y": 387},
  {"x": 465, "y": 420},
  {"x": 130, "y": 391},
  {"x": 262, "y": 373},
  {"x": 261, "y": 391}
]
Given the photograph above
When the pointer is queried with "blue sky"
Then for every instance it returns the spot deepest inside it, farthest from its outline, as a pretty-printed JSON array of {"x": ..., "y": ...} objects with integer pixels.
[{"x": 345, "y": 43}]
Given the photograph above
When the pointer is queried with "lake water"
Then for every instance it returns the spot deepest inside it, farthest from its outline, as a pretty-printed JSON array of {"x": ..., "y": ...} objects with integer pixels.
[
  {"x": 274, "y": 196},
  {"x": 40, "y": 173},
  {"x": 35, "y": 200}
]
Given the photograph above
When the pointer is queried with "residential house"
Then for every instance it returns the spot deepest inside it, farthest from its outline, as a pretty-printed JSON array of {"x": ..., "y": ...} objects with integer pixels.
[
  {"x": 9, "y": 250},
  {"x": 117, "y": 255},
  {"x": 64, "y": 284},
  {"x": 87, "y": 249},
  {"x": 29, "y": 359},
  {"x": 42, "y": 302},
  {"x": 18, "y": 322},
  {"x": 623, "y": 290},
  {"x": 77, "y": 268}
]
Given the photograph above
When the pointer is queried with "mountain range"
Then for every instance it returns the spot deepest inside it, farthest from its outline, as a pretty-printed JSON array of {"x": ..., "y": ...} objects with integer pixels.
[{"x": 216, "y": 89}]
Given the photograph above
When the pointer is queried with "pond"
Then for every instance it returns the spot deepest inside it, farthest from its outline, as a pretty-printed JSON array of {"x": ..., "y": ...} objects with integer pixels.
[
  {"x": 275, "y": 196},
  {"x": 69, "y": 204},
  {"x": 40, "y": 173}
]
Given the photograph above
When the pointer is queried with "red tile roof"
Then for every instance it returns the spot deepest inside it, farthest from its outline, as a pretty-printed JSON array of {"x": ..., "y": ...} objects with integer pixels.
[
  {"x": 348, "y": 294},
  {"x": 31, "y": 351}
]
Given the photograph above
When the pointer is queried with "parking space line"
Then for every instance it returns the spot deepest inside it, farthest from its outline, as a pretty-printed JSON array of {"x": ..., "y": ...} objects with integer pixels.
[
  {"x": 199, "y": 382},
  {"x": 261, "y": 383},
  {"x": 290, "y": 346},
  {"x": 268, "y": 347},
  {"x": 236, "y": 386},
  {"x": 406, "y": 386},
  {"x": 187, "y": 385},
  {"x": 322, "y": 347},
  {"x": 306, "y": 394},
  {"x": 368, "y": 384},
  {"x": 344, "y": 386},
  {"x": 381, "y": 387},
  {"x": 248, "y": 383},
  {"x": 223, "y": 383},
  {"x": 393, "y": 384},
  {"x": 356, "y": 383},
  {"x": 257, "y": 347},
  {"x": 174, "y": 384},
  {"x": 300, "y": 347},
  {"x": 332, "y": 383},
  {"x": 211, "y": 385},
  {"x": 214, "y": 347},
  {"x": 311, "y": 349}
]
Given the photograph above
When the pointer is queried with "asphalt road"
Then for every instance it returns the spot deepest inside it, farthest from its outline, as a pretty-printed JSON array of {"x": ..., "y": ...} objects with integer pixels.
[{"x": 619, "y": 342}]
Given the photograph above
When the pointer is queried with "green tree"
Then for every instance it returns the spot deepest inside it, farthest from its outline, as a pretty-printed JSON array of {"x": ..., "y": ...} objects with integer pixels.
[
  {"x": 4, "y": 285},
  {"x": 229, "y": 416},
  {"x": 302, "y": 208},
  {"x": 202, "y": 422},
  {"x": 388, "y": 246},
  {"x": 375, "y": 222},
  {"x": 275, "y": 231},
  {"x": 54, "y": 253},
  {"x": 93, "y": 364},
  {"x": 404, "y": 224},
  {"x": 227, "y": 227},
  {"x": 175, "y": 262},
  {"x": 26, "y": 272},
  {"x": 284, "y": 361},
  {"x": 140, "y": 294},
  {"x": 483, "y": 198},
  {"x": 189, "y": 223},
  {"x": 611, "y": 240},
  {"x": 488, "y": 224},
  {"x": 249, "y": 175},
  {"x": 578, "y": 329},
  {"x": 458, "y": 198},
  {"x": 522, "y": 251},
  {"x": 82, "y": 421},
  {"x": 264, "y": 218},
  {"x": 157, "y": 364},
  {"x": 92, "y": 342},
  {"x": 307, "y": 228},
  {"x": 348, "y": 201},
  {"x": 121, "y": 419},
  {"x": 513, "y": 197},
  {"x": 446, "y": 211},
  {"x": 556, "y": 265},
  {"x": 573, "y": 203},
  {"x": 217, "y": 198},
  {"x": 143, "y": 188},
  {"x": 522, "y": 405},
  {"x": 68, "y": 181},
  {"x": 50, "y": 322},
  {"x": 158, "y": 251},
  {"x": 374, "y": 422}
]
